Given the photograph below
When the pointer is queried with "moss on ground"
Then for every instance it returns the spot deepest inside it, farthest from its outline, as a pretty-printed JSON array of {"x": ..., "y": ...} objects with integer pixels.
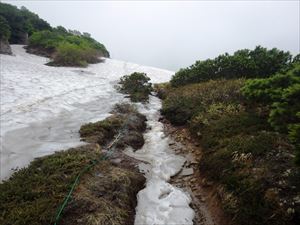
[
  {"x": 33, "y": 194},
  {"x": 125, "y": 119},
  {"x": 102, "y": 131}
]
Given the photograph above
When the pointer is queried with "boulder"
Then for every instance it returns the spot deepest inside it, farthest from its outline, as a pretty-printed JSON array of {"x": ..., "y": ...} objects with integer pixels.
[{"x": 5, "y": 47}]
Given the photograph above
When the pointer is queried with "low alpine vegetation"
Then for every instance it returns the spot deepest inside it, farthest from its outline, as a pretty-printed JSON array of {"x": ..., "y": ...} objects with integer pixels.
[
  {"x": 248, "y": 129},
  {"x": 126, "y": 122},
  {"x": 137, "y": 85},
  {"x": 245, "y": 63},
  {"x": 34, "y": 194},
  {"x": 66, "y": 48},
  {"x": 281, "y": 94}
]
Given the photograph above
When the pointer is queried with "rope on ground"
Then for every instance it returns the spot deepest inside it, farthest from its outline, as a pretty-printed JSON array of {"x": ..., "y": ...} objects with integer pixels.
[{"x": 85, "y": 169}]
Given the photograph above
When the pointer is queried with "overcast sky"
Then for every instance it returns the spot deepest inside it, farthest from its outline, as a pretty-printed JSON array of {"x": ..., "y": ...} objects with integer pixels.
[{"x": 173, "y": 34}]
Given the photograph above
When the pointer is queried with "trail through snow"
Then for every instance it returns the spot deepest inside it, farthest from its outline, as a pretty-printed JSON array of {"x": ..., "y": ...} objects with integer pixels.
[{"x": 160, "y": 203}]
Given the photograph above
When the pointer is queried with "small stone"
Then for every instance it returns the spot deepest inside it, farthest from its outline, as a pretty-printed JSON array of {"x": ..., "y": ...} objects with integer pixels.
[
  {"x": 187, "y": 172},
  {"x": 116, "y": 161}
]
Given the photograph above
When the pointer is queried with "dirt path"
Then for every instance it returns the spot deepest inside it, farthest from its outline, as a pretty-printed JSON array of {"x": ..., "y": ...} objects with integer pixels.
[{"x": 205, "y": 202}]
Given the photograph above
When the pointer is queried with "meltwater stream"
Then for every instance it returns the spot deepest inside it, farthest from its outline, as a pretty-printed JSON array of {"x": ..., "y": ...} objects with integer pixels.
[{"x": 159, "y": 203}]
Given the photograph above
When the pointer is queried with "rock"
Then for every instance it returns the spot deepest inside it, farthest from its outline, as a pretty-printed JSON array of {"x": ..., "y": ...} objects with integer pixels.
[
  {"x": 190, "y": 159},
  {"x": 136, "y": 121},
  {"x": 134, "y": 139},
  {"x": 5, "y": 47},
  {"x": 116, "y": 161},
  {"x": 187, "y": 172}
]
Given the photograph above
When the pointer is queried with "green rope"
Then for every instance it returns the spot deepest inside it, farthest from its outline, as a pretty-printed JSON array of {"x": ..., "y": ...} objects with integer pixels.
[
  {"x": 67, "y": 198},
  {"x": 85, "y": 169}
]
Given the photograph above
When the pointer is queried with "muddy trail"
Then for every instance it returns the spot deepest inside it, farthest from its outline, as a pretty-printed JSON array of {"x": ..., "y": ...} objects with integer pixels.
[
  {"x": 149, "y": 177},
  {"x": 174, "y": 192},
  {"x": 205, "y": 202}
]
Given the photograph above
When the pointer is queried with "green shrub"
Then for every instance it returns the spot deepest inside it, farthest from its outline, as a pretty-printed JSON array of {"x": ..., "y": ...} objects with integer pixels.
[
  {"x": 212, "y": 132},
  {"x": 137, "y": 85},
  {"x": 46, "y": 39},
  {"x": 21, "y": 21},
  {"x": 245, "y": 63},
  {"x": 181, "y": 104},
  {"x": 240, "y": 152},
  {"x": 282, "y": 93},
  {"x": 67, "y": 49},
  {"x": 4, "y": 29},
  {"x": 73, "y": 55}
]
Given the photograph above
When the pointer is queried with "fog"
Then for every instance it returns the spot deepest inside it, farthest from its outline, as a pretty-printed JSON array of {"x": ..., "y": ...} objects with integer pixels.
[{"x": 173, "y": 34}]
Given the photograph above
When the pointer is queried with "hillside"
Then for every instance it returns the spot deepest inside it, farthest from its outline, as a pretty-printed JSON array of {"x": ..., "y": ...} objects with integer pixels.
[
  {"x": 86, "y": 139},
  {"x": 248, "y": 130},
  {"x": 64, "y": 47}
]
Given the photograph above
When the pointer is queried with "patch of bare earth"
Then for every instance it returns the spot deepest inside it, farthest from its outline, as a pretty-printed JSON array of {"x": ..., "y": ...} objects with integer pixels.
[{"x": 205, "y": 200}]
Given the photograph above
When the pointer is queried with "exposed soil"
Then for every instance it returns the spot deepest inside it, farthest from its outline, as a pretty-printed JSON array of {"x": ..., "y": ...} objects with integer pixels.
[
  {"x": 205, "y": 200},
  {"x": 40, "y": 51}
]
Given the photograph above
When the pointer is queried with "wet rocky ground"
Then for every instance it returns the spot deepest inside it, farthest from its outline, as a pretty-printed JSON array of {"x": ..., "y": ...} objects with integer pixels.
[{"x": 205, "y": 202}]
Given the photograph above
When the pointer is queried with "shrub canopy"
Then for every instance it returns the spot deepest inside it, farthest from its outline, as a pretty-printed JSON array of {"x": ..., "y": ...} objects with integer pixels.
[
  {"x": 4, "y": 28},
  {"x": 281, "y": 93},
  {"x": 244, "y": 63},
  {"x": 21, "y": 21},
  {"x": 137, "y": 85}
]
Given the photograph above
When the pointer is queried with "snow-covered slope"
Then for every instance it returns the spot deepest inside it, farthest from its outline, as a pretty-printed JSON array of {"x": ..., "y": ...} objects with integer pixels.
[{"x": 43, "y": 107}]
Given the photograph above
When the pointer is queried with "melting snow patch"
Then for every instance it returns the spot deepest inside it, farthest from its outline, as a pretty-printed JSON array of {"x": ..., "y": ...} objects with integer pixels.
[
  {"x": 160, "y": 203},
  {"x": 42, "y": 107}
]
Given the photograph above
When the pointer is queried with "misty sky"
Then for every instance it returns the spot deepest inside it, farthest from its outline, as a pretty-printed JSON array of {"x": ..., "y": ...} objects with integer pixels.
[{"x": 173, "y": 34}]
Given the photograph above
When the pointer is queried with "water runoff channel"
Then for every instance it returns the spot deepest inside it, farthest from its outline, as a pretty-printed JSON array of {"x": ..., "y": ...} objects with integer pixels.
[{"x": 159, "y": 203}]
